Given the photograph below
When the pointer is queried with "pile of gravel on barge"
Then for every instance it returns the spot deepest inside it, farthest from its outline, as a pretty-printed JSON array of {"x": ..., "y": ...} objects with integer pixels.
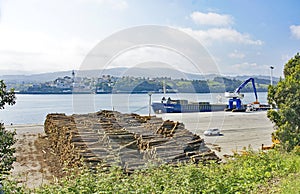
[{"x": 127, "y": 140}]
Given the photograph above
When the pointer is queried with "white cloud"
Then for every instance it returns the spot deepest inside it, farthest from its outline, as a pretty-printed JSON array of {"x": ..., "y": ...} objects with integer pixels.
[
  {"x": 221, "y": 34},
  {"x": 247, "y": 68},
  {"x": 245, "y": 65},
  {"x": 39, "y": 52},
  {"x": 236, "y": 55},
  {"x": 212, "y": 19},
  {"x": 295, "y": 30},
  {"x": 140, "y": 55},
  {"x": 114, "y": 4}
]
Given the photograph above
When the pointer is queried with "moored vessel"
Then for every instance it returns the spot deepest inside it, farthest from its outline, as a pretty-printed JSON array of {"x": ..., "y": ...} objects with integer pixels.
[{"x": 184, "y": 106}]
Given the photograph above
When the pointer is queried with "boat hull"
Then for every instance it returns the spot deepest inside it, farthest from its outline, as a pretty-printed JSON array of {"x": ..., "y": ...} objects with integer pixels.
[{"x": 186, "y": 108}]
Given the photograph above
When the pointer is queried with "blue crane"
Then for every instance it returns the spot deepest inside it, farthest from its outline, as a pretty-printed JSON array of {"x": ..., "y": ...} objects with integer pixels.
[
  {"x": 237, "y": 90},
  {"x": 236, "y": 96}
]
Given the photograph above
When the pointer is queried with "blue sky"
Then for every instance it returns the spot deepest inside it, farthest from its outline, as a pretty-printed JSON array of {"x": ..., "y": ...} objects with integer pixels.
[{"x": 244, "y": 37}]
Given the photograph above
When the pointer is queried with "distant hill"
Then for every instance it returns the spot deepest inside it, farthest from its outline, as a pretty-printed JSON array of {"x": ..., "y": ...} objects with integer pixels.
[
  {"x": 38, "y": 78},
  {"x": 13, "y": 72},
  {"x": 120, "y": 72},
  {"x": 264, "y": 77},
  {"x": 117, "y": 72}
]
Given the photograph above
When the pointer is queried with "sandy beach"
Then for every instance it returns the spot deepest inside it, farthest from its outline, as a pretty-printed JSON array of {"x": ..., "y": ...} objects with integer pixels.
[
  {"x": 30, "y": 167},
  {"x": 238, "y": 130}
]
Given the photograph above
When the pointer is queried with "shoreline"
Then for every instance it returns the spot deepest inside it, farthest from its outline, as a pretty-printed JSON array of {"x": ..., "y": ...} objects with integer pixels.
[
  {"x": 122, "y": 92},
  {"x": 9, "y": 126}
]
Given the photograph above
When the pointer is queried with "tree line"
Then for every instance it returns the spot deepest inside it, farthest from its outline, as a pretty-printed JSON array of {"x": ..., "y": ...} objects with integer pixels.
[{"x": 216, "y": 85}]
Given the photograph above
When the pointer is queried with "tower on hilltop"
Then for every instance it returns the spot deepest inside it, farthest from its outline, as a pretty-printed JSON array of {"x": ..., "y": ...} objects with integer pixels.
[{"x": 73, "y": 76}]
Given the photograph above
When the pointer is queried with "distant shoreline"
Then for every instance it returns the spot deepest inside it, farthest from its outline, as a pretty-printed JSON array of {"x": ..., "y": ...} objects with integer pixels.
[
  {"x": 68, "y": 93},
  {"x": 22, "y": 125}
]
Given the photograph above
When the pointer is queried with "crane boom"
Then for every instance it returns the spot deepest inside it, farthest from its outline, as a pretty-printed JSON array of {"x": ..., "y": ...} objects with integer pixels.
[
  {"x": 236, "y": 96},
  {"x": 237, "y": 90}
]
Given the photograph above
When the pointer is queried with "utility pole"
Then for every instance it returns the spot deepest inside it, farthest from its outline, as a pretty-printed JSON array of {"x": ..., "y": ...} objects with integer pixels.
[
  {"x": 164, "y": 87},
  {"x": 271, "y": 74},
  {"x": 150, "y": 94}
]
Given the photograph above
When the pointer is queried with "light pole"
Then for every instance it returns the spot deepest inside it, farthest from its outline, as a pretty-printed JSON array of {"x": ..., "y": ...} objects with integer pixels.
[
  {"x": 150, "y": 94},
  {"x": 271, "y": 74}
]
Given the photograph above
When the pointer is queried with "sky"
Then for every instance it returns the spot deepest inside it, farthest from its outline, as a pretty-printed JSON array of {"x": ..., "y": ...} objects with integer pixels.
[{"x": 242, "y": 37}]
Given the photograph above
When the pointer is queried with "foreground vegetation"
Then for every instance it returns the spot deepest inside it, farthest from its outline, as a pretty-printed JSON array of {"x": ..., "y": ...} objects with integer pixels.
[
  {"x": 7, "y": 138},
  {"x": 286, "y": 97},
  {"x": 251, "y": 173}
]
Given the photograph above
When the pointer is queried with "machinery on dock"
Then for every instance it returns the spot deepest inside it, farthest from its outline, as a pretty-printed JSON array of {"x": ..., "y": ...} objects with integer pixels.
[
  {"x": 235, "y": 103},
  {"x": 275, "y": 142}
]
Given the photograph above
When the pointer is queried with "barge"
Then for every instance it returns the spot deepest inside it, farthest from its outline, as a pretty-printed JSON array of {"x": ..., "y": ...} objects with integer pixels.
[{"x": 184, "y": 106}]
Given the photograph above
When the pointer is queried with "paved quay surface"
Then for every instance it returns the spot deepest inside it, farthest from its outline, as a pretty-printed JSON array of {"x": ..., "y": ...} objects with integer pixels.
[{"x": 238, "y": 130}]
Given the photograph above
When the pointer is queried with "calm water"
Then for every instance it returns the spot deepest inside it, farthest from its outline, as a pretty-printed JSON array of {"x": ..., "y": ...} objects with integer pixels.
[{"x": 31, "y": 109}]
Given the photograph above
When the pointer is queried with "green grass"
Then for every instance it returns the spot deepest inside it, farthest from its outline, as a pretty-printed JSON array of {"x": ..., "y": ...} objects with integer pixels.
[
  {"x": 212, "y": 83},
  {"x": 251, "y": 173},
  {"x": 290, "y": 184},
  {"x": 183, "y": 83}
]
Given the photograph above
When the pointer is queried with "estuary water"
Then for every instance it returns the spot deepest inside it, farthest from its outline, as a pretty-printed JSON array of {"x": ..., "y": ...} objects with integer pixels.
[{"x": 33, "y": 109}]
